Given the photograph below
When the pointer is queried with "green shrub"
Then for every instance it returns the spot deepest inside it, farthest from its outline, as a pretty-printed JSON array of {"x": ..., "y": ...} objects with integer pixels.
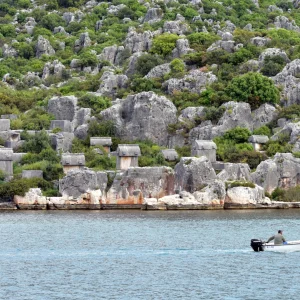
[
  {"x": 36, "y": 143},
  {"x": 202, "y": 40},
  {"x": 213, "y": 114},
  {"x": 253, "y": 88},
  {"x": 238, "y": 134},
  {"x": 143, "y": 84},
  {"x": 240, "y": 184},
  {"x": 263, "y": 130},
  {"x": 287, "y": 195},
  {"x": 96, "y": 103},
  {"x": 101, "y": 128},
  {"x": 177, "y": 67},
  {"x": 164, "y": 44},
  {"x": 273, "y": 65},
  {"x": 146, "y": 62}
]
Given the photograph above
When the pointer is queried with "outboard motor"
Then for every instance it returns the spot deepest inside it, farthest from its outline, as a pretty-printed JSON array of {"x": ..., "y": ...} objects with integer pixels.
[{"x": 257, "y": 245}]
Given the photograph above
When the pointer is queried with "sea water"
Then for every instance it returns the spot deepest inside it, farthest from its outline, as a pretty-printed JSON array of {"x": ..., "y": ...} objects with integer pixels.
[{"x": 146, "y": 255}]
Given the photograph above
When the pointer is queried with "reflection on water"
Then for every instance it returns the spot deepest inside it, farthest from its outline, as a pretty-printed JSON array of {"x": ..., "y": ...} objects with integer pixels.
[{"x": 145, "y": 255}]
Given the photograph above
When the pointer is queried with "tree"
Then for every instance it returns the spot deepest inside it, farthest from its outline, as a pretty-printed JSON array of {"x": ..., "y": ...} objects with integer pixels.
[{"x": 253, "y": 88}]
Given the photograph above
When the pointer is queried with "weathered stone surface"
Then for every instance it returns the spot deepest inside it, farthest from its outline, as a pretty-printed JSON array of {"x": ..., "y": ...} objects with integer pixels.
[
  {"x": 260, "y": 41},
  {"x": 81, "y": 132},
  {"x": 60, "y": 29},
  {"x": 78, "y": 182},
  {"x": 55, "y": 68},
  {"x": 159, "y": 71},
  {"x": 43, "y": 47},
  {"x": 192, "y": 173},
  {"x": 153, "y": 15},
  {"x": 284, "y": 22},
  {"x": 33, "y": 197},
  {"x": 112, "y": 54},
  {"x": 62, "y": 141},
  {"x": 9, "y": 51},
  {"x": 213, "y": 194},
  {"x": 182, "y": 48},
  {"x": 195, "y": 82},
  {"x": 270, "y": 52},
  {"x": 132, "y": 63},
  {"x": 176, "y": 27},
  {"x": 63, "y": 108},
  {"x": 142, "y": 116},
  {"x": 291, "y": 130},
  {"x": 83, "y": 42},
  {"x": 135, "y": 184},
  {"x": 235, "y": 171},
  {"x": 138, "y": 42},
  {"x": 282, "y": 171},
  {"x": 245, "y": 197},
  {"x": 32, "y": 173},
  {"x": 112, "y": 83},
  {"x": 263, "y": 115},
  {"x": 190, "y": 113}
]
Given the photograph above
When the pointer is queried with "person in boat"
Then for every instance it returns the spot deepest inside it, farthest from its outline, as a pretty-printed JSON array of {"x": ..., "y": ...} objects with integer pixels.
[{"x": 278, "y": 239}]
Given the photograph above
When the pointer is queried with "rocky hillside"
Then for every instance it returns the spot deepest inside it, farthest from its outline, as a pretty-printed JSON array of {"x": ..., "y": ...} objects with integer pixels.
[{"x": 161, "y": 74}]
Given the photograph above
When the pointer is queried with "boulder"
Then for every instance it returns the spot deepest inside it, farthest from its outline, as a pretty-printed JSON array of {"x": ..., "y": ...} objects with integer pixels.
[
  {"x": 31, "y": 79},
  {"x": 182, "y": 48},
  {"x": 259, "y": 41},
  {"x": 153, "y": 15},
  {"x": 189, "y": 114},
  {"x": 270, "y": 52},
  {"x": 55, "y": 68},
  {"x": 63, "y": 108},
  {"x": 142, "y": 116},
  {"x": 245, "y": 197},
  {"x": 192, "y": 174},
  {"x": 78, "y": 182},
  {"x": 285, "y": 23},
  {"x": 81, "y": 132},
  {"x": 43, "y": 47},
  {"x": 60, "y": 29},
  {"x": 111, "y": 84},
  {"x": 135, "y": 184},
  {"x": 282, "y": 171},
  {"x": 195, "y": 82},
  {"x": 32, "y": 199},
  {"x": 132, "y": 63},
  {"x": 176, "y": 27},
  {"x": 9, "y": 51},
  {"x": 111, "y": 54},
  {"x": 83, "y": 42},
  {"x": 263, "y": 115},
  {"x": 235, "y": 171},
  {"x": 159, "y": 71},
  {"x": 62, "y": 141},
  {"x": 138, "y": 42}
]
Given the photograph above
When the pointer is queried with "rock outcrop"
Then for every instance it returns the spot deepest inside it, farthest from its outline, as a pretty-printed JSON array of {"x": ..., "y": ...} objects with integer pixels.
[
  {"x": 43, "y": 47},
  {"x": 142, "y": 116}
]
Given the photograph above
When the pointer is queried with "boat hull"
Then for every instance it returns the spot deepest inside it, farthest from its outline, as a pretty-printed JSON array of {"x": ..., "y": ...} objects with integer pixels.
[{"x": 291, "y": 246}]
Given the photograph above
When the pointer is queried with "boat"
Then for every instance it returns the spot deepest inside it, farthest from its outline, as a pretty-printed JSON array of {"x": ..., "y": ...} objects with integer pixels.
[{"x": 290, "y": 246}]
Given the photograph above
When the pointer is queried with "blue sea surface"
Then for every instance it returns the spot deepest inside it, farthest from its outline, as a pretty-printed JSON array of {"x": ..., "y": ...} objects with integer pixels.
[{"x": 146, "y": 255}]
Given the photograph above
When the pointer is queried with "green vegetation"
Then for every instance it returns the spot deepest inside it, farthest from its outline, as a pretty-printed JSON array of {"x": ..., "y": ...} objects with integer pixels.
[{"x": 287, "y": 195}]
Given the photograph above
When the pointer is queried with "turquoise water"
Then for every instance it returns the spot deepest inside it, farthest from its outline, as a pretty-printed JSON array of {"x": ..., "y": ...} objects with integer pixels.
[{"x": 146, "y": 255}]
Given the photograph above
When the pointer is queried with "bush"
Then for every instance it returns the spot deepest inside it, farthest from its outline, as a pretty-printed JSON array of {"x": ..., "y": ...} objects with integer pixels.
[
  {"x": 164, "y": 44},
  {"x": 263, "y": 130},
  {"x": 253, "y": 88},
  {"x": 177, "y": 67},
  {"x": 103, "y": 128},
  {"x": 213, "y": 114},
  {"x": 290, "y": 195},
  {"x": 273, "y": 65},
  {"x": 201, "y": 40},
  {"x": 238, "y": 134},
  {"x": 240, "y": 183},
  {"x": 36, "y": 143},
  {"x": 96, "y": 103},
  {"x": 146, "y": 62}
]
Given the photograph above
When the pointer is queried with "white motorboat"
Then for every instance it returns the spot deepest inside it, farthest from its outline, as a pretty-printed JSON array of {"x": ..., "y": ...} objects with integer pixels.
[{"x": 290, "y": 246}]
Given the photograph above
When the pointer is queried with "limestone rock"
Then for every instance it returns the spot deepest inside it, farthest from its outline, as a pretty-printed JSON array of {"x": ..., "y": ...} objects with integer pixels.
[
  {"x": 138, "y": 42},
  {"x": 213, "y": 194},
  {"x": 114, "y": 9},
  {"x": 282, "y": 171},
  {"x": 285, "y": 23},
  {"x": 78, "y": 182},
  {"x": 159, "y": 71},
  {"x": 260, "y": 41},
  {"x": 63, "y": 108},
  {"x": 83, "y": 42},
  {"x": 33, "y": 197},
  {"x": 182, "y": 48},
  {"x": 62, "y": 141},
  {"x": 43, "y": 47},
  {"x": 31, "y": 79},
  {"x": 135, "y": 184},
  {"x": 142, "y": 116},
  {"x": 55, "y": 68},
  {"x": 132, "y": 63},
  {"x": 60, "y": 29},
  {"x": 153, "y": 15},
  {"x": 9, "y": 51},
  {"x": 235, "y": 171},
  {"x": 111, "y": 54},
  {"x": 272, "y": 52},
  {"x": 190, "y": 113},
  {"x": 192, "y": 173},
  {"x": 195, "y": 82},
  {"x": 244, "y": 197},
  {"x": 176, "y": 27},
  {"x": 263, "y": 115},
  {"x": 111, "y": 84}
]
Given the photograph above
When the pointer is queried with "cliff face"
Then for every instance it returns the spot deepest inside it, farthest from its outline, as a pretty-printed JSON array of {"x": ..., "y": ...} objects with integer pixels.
[{"x": 159, "y": 74}]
